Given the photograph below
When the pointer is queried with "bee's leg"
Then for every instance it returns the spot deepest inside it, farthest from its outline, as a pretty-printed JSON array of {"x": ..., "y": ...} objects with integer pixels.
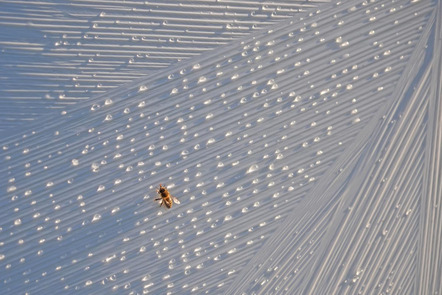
[
  {"x": 161, "y": 203},
  {"x": 158, "y": 199}
]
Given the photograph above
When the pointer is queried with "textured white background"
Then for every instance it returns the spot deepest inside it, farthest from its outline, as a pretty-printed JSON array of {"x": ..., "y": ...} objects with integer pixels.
[{"x": 306, "y": 154}]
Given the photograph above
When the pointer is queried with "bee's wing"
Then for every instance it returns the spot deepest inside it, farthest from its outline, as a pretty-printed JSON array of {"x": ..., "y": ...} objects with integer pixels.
[{"x": 175, "y": 200}]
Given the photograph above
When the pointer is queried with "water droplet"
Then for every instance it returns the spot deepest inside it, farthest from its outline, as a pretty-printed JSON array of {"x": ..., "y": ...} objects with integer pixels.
[
  {"x": 96, "y": 217},
  {"x": 252, "y": 168},
  {"x": 95, "y": 107}
]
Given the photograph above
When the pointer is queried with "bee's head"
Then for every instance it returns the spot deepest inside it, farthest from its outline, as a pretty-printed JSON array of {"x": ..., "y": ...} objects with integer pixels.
[{"x": 162, "y": 189}]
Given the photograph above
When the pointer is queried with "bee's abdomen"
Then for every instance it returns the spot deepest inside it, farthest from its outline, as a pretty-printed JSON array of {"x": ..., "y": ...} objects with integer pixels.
[{"x": 168, "y": 202}]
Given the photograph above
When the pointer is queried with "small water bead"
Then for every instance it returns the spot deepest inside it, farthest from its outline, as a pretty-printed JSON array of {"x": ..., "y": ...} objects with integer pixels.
[{"x": 142, "y": 88}]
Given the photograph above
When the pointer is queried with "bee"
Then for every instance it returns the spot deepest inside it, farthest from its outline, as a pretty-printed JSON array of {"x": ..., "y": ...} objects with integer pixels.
[{"x": 166, "y": 198}]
